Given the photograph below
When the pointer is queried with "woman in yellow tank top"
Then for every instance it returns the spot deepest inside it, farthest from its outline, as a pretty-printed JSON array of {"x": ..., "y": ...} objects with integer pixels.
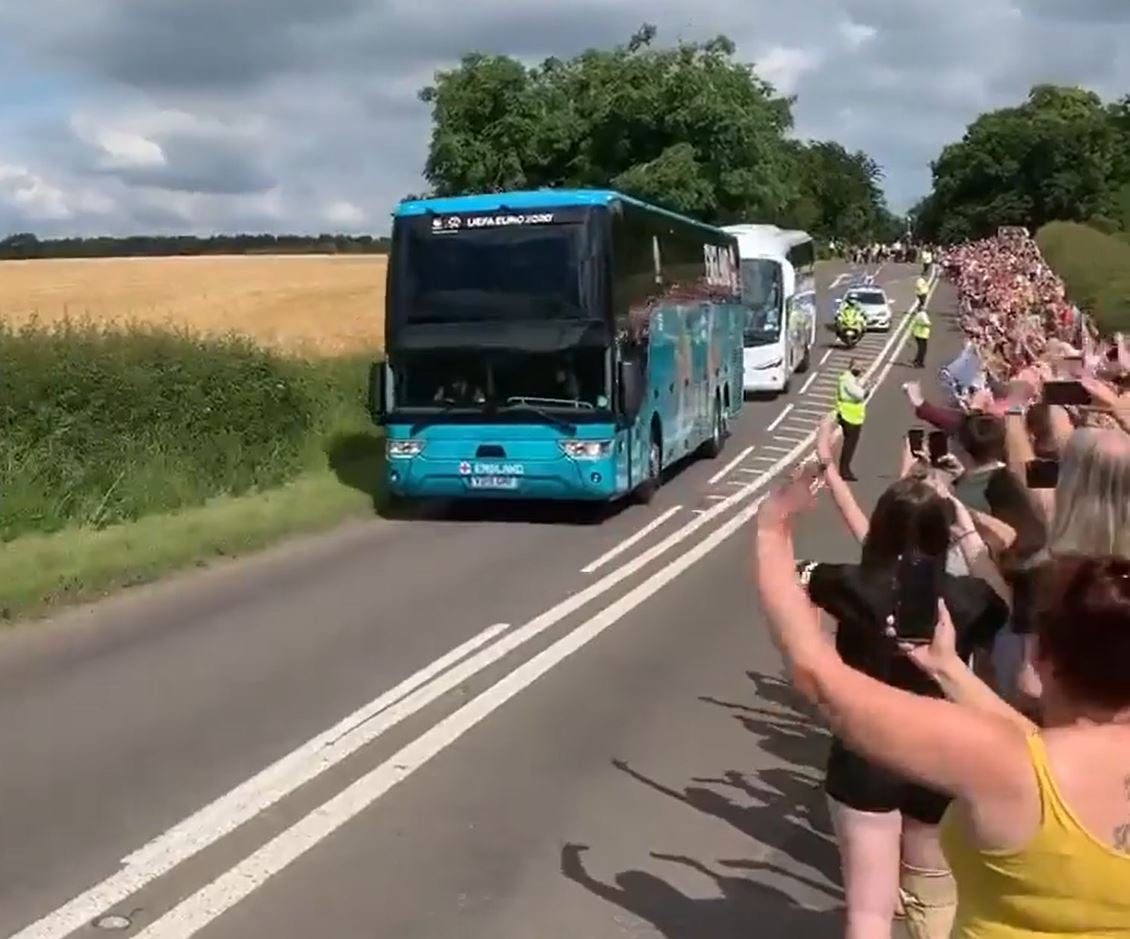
[{"x": 1038, "y": 835}]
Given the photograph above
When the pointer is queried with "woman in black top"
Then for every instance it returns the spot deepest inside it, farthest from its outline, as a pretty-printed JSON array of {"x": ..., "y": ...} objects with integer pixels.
[{"x": 886, "y": 827}]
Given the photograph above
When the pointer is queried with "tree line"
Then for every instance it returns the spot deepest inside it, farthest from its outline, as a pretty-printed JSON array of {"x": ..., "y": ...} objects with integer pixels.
[
  {"x": 26, "y": 246},
  {"x": 1061, "y": 155},
  {"x": 687, "y": 127}
]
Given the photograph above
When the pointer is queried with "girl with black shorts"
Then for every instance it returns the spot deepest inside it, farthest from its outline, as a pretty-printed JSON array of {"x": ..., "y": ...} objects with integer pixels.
[{"x": 886, "y": 827}]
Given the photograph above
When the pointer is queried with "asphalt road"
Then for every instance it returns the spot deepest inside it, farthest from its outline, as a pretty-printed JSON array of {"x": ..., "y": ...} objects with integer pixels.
[{"x": 288, "y": 746}]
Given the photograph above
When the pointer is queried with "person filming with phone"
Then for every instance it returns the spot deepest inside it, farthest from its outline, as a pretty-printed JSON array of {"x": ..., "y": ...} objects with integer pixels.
[
  {"x": 886, "y": 825},
  {"x": 1034, "y": 821}
]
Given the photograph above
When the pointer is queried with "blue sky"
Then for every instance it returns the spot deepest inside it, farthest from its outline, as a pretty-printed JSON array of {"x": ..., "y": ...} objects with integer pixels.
[{"x": 124, "y": 116}]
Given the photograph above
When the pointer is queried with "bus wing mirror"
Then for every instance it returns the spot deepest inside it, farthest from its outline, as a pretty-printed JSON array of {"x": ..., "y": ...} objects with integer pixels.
[
  {"x": 631, "y": 387},
  {"x": 378, "y": 375}
]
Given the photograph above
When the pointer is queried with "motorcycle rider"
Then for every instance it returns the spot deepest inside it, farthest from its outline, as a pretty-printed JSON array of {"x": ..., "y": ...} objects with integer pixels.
[{"x": 850, "y": 318}]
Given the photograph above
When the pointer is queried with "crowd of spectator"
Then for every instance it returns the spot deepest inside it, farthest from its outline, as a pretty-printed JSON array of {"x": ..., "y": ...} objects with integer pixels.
[
  {"x": 979, "y": 781},
  {"x": 1013, "y": 306}
]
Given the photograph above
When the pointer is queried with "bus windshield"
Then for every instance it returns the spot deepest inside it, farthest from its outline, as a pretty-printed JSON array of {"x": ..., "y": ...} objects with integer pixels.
[
  {"x": 447, "y": 380},
  {"x": 762, "y": 294},
  {"x": 516, "y": 274}
]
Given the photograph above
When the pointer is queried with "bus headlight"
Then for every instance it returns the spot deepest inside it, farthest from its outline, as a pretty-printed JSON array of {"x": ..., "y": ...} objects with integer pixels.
[
  {"x": 586, "y": 449},
  {"x": 768, "y": 365},
  {"x": 403, "y": 449}
]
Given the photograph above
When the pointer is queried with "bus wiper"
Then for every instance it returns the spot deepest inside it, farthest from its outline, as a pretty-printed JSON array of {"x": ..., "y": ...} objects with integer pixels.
[
  {"x": 523, "y": 404},
  {"x": 564, "y": 402}
]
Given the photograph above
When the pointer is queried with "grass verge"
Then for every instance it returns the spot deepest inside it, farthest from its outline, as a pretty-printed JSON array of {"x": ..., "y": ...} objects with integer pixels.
[{"x": 40, "y": 571}]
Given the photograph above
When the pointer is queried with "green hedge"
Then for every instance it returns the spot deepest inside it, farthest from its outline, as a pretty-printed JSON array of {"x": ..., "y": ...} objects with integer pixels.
[
  {"x": 99, "y": 425},
  {"x": 1095, "y": 267}
]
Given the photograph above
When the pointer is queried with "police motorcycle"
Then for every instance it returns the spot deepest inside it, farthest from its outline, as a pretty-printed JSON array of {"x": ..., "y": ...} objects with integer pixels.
[{"x": 851, "y": 325}]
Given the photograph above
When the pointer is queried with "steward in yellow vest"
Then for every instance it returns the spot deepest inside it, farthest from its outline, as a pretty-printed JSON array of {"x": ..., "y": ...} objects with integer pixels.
[{"x": 851, "y": 411}]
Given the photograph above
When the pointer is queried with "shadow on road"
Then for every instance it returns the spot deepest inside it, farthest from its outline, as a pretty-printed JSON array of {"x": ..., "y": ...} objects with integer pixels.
[
  {"x": 780, "y": 808},
  {"x": 745, "y": 907}
]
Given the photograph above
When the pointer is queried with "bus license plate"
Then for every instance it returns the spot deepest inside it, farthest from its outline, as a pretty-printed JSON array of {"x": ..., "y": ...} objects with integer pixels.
[{"x": 494, "y": 482}]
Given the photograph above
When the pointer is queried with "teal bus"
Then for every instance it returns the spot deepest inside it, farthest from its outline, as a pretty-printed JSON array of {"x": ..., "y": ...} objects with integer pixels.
[{"x": 555, "y": 344}]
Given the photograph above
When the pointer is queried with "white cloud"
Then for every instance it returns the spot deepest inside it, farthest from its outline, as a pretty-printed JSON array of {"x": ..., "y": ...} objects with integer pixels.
[
  {"x": 784, "y": 66},
  {"x": 344, "y": 213},
  {"x": 32, "y": 194},
  {"x": 857, "y": 35},
  {"x": 118, "y": 148},
  {"x": 287, "y": 115}
]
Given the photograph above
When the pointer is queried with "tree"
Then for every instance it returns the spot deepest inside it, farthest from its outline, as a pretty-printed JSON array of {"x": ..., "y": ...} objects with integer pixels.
[
  {"x": 686, "y": 127},
  {"x": 841, "y": 195},
  {"x": 1061, "y": 155}
]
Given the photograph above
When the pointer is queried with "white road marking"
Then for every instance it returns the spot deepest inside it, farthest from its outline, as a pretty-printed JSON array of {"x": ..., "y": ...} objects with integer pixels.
[
  {"x": 258, "y": 793},
  {"x": 630, "y": 541},
  {"x": 203, "y": 907},
  {"x": 207, "y": 826},
  {"x": 725, "y": 470},
  {"x": 783, "y": 439},
  {"x": 780, "y": 417},
  {"x": 819, "y": 412},
  {"x": 751, "y": 470},
  {"x": 777, "y": 449},
  {"x": 717, "y": 498},
  {"x": 808, "y": 384},
  {"x": 826, "y": 356}
]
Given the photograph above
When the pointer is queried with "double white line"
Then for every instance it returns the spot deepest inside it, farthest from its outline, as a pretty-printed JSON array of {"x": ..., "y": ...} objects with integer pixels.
[{"x": 365, "y": 725}]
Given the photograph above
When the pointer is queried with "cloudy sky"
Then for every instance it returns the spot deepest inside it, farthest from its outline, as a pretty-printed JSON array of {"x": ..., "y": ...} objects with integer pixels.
[{"x": 124, "y": 116}]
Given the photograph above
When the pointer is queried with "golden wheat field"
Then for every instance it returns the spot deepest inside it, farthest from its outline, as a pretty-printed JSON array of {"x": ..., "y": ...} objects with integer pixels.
[{"x": 310, "y": 304}]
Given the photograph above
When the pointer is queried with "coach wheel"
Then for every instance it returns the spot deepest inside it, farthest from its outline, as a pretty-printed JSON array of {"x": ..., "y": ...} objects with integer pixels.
[{"x": 717, "y": 442}]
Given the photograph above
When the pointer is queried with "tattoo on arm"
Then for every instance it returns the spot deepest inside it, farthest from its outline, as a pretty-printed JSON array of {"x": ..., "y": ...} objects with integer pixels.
[{"x": 1122, "y": 832}]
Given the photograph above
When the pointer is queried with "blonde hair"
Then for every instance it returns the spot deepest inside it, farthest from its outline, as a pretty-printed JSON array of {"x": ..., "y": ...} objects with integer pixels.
[{"x": 1092, "y": 498}]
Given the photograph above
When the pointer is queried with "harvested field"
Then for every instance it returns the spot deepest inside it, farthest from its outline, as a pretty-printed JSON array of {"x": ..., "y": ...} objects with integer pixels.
[{"x": 311, "y": 304}]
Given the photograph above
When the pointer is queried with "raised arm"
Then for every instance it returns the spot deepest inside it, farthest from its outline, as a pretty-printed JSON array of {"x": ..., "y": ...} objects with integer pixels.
[
  {"x": 973, "y": 754},
  {"x": 1019, "y": 455},
  {"x": 1106, "y": 397},
  {"x": 976, "y": 552},
  {"x": 957, "y": 680},
  {"x": 828, "y": 439}
]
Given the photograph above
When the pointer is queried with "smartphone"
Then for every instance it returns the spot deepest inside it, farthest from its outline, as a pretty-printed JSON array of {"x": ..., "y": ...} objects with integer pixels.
[
  {"x": 1066, "y": 393},
  {"x": 1042, "y": 474},
  {"x": 939, "y": 446},
  {"x": 804, "y": 571},
  {"x": 916, "y": 438},
  {"x": 918, "y": 588}
]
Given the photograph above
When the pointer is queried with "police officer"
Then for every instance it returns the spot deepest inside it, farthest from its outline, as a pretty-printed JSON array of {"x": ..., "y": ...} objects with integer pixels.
[
  {"x": 921, "y": 292},
  {"x": 920, "y": 330},
  {"x": 851, "y": 409}
]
